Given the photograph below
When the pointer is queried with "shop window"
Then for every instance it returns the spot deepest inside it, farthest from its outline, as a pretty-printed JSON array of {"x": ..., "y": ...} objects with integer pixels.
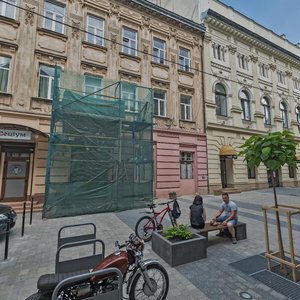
[
  {"x": 54, "y": 17},
  {"x": 186, "y": 165}
]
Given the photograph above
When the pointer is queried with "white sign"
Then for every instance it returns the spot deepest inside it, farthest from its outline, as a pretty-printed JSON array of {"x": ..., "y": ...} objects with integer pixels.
[{"x": 7, "y": 134}]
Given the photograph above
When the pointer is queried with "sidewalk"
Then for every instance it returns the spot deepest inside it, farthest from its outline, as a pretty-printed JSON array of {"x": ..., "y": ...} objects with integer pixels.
[{"x": 211, "y": 278}]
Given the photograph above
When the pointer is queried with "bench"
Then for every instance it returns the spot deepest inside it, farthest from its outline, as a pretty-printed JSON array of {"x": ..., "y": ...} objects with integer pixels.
[{"x": 240, "y": 230}]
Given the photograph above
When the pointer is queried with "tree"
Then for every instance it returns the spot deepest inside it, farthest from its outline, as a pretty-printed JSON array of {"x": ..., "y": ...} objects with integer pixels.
[{"x": 273, "y": 150}]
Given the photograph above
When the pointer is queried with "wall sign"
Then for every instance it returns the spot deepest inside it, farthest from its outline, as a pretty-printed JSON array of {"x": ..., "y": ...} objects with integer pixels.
[{"x": 8, "y": 134}]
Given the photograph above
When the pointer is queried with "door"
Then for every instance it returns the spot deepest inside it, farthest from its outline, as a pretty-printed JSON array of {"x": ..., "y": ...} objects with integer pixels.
[
  {"x": 223, "y": 172},
  {"x": 15, "y": 176}
]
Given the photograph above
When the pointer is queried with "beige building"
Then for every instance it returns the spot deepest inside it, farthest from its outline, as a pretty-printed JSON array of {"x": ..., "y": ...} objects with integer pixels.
[
  {"x": 133, "y": 41},
  {"x": 252, "y": 86}
]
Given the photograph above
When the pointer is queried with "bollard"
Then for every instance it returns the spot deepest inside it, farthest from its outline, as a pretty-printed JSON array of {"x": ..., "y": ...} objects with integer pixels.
[
  {"x": 31, "y": 210},
  {"x": 6, "y": 239},
  {"x": 23, "y": 217}
]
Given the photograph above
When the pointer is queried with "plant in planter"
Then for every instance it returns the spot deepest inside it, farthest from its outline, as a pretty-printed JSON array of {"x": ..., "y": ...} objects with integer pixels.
[
  {"x": 179, "y": 232},
  {"x": 177, "y": 245},
  {"x": 172, "y": 195}
]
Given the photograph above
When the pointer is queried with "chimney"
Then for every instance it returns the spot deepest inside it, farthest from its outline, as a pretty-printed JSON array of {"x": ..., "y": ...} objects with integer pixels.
[{"x": 283, "y": 36}]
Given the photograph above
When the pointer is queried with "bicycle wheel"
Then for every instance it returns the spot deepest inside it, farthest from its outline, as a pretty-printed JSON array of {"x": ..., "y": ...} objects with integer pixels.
[{"x": 144, "y": 228}]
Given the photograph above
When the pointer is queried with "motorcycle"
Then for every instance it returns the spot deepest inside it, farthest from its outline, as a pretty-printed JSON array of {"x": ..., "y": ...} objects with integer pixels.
[{"x": 143, "y": 278}]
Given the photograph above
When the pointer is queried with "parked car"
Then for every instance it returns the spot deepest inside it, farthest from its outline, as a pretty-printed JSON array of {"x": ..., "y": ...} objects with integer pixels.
[{"x": 6, "y": 212}]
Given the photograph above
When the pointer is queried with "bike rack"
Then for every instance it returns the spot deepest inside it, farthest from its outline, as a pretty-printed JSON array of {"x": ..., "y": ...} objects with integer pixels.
[
  {"x": 71, "y": 239},
  {"x": 80, "y": 263},
  {"x": 110, "y": 295}
]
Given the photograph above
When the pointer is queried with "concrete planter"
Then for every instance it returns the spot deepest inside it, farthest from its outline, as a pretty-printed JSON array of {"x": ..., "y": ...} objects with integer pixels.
[{"x": 179, "y": 252}]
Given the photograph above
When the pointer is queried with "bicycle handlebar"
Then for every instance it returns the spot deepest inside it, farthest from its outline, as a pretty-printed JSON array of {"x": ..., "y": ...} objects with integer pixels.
[{"x": 165, "y": 203}]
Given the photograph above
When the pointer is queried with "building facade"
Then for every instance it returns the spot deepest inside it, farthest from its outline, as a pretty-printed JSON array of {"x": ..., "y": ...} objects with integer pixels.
[
  {"x": 133, "y": 41},
  {"x": 252, "y": 87}
]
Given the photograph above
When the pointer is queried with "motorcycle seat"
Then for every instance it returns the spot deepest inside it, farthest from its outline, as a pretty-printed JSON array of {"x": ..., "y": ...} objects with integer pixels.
[{"x": 48, "y": 282}]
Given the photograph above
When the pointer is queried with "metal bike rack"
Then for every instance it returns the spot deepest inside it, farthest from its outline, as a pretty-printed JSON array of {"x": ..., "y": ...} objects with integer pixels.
[
  {"x": 110, "y": 295},
  {"x": 71, "y": 239},
  {"x": 80, "y": 263}
]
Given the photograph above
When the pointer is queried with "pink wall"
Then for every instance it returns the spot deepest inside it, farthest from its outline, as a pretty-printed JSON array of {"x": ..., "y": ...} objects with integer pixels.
[{"x": 167, "y": 147}]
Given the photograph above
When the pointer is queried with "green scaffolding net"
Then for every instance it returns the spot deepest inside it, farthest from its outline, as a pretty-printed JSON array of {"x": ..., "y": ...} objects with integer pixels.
[{"x": 100, "y": 155}]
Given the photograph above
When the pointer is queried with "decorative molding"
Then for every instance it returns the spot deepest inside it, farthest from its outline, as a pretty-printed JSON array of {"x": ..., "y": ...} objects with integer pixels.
[
  {"x": 196, "y": 41},
  {"x": 232, "y": 49},
  {"x": 114, "y": 10},
  {"x": 186, "y": 89},
  {"x": 5, "y": 46},
  {"x": 160, "y": 83},
  {"x": 273, "y": 67},
  {"x": 132, "y": 77},
  {"x": 75, "y": 29},
  {"x": 207, "y": 39},
  {"x": 173, "y": 60},
  {"x": 173, "y": 32},
  {"x": 145, "y": 51},
  {"x": 113, "y": 40},
  {"x": 50, "y": 57},
  {"x": 253, "y": 58},
  {"x": 289, "y": 74},
  {"x": 145, "y": 22},
  {"x": 29, "y": 14}
]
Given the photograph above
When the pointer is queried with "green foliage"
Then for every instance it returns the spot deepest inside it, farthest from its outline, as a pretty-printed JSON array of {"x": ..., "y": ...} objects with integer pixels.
[
  {"x": 178, "y": 232},
  {"x": 273, "y": 150},
  {"x": 172, "y": 195}
]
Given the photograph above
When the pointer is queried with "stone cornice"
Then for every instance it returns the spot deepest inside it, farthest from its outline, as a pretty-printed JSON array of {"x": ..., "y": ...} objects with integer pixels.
[{"x": 234, "y": 129}]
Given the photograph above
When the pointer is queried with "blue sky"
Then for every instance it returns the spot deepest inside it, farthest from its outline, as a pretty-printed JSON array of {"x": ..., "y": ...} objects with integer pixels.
[{"x": 281, "y": 16}]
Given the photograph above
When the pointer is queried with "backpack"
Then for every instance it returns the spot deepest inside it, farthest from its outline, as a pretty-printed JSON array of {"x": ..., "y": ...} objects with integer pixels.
[{"x": 176, "y": 212}]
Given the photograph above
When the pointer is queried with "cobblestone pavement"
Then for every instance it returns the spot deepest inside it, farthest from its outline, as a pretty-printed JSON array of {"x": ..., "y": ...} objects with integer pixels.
[{"x": 211, "y": 278}]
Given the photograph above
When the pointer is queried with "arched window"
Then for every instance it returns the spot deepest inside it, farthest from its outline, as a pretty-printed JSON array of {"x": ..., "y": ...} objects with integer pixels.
[
  {"x": 284, "y": 114},
  {"x": 298, "y": 116},
  {"x": 267, "y": 110},
  {"x": 245, "y": 103},
  {"x": 221, "y": 100}
]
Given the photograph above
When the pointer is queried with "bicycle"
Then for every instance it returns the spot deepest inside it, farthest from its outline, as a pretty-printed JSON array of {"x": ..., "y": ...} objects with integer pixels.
[{"x": 146, "y": 225}]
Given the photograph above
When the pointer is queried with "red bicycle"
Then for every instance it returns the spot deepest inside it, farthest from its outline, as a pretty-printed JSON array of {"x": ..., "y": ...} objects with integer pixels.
[{"x": 146, "y": 225}]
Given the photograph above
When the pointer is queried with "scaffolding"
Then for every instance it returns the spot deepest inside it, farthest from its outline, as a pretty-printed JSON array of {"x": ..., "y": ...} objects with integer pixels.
[{"x": 100, "y": 155}]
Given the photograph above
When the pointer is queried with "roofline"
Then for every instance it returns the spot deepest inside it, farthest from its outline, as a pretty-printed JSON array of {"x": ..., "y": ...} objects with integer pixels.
[
  {"x": 169, "y": 14},
  {"x": 227, "y": 21}
]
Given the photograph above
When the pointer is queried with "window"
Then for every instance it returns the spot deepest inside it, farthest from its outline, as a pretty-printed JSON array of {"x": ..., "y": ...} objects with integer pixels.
[
  {"x": 159, "y": 51},
  {"x": 292, "y": 172},
  {"x": 8, "y": 8},
  {"x": 263, "y": 70},
  {"x": 4, "y": 73},
  {"x": 245, "y": 103},
  {"x": 184, "y": 59},
  {"x": 218, "y": 52},
  {"x": 186, "y": 108},
  {"x": 46, "y": 82},
  {"x": 284, "y": 114},
  {"x": 221, "y": 100},
  {"x": 92, "y": 85},
  {"x": 95, "y": 29},
  {"x": 251, "y": 172},
  {"x": 129, "y": 41},
  {"x": 298, "y": 116},
  {"x": 281, "y": 77},
  {"x": 296, "y": 82},
  {"x": 266, "y": 110},
  {"x": 160, "y": 103},
  {"x": 243, "y": 61},
  {"x": 186, "y": 165},
  {"x": 129, "y": 96},
  {"x": 54, "y": 17}
]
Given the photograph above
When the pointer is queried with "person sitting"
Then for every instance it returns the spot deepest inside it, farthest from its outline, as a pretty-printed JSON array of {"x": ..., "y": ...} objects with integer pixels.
[
  {"x": 197, "y": 213},
  {"x": 229, "y": 218}
]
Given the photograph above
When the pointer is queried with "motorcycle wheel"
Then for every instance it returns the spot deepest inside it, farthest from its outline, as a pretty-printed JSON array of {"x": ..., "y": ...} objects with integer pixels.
[
  {"x": 159, "y": 279},
  {"x": 39, "y": 296},
  {"x": 143, "y": 232}
]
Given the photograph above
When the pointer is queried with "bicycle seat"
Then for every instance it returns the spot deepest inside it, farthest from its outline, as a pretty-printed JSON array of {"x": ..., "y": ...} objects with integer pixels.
[{"x": 151, "y": 205}]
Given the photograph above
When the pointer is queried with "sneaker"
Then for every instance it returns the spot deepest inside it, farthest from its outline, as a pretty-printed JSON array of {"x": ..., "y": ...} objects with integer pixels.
[
  {"x": 234, "y": 241},
  {"x": 221, "y": 233}
]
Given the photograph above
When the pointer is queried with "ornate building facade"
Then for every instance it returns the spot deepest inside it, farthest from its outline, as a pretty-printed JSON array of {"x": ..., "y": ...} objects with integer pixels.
[
  {"x": 134, "y": 41},
  {"x": 252, "y": 87}
]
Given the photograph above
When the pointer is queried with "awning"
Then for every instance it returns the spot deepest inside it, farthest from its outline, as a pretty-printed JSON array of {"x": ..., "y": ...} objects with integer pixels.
[{"x": 227, "y": 150}]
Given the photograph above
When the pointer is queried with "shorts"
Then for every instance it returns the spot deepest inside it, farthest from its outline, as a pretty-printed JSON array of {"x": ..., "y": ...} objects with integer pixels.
[{"x": 223, "y": 218}]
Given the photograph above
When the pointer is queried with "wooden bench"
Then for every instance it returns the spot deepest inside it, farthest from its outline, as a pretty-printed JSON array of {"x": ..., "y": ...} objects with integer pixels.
[{"x": 240, "y": 230}]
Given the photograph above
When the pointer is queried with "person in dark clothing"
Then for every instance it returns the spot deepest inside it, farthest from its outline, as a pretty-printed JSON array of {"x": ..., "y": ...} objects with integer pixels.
[{"x": 197, "y": 213}]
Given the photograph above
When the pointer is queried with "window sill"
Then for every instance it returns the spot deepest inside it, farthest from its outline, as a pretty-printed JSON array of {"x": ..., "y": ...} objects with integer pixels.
[
  {"x": 5, "y": 94},
  {"x": 162, "y": 117},
  {"x": 41, "y": 99},
  {"x": 86, "y": 44},
  {"x": 221, "y": 117},
  {"x": 129, "y": 56},
  {"x": 247, "y": 122},
  {"x": 10, "y": 21},
  {"x": 159, "y": 65},
  {"x": 187, "y": 121},
  {"x": 52, "y": 33},
  {"x": 183, "y": 72}
]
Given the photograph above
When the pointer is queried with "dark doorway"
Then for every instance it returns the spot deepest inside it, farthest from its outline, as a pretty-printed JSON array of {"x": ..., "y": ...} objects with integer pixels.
[
  {"x": 276, "y": 178},
  {"x": 223, "y": 172}
]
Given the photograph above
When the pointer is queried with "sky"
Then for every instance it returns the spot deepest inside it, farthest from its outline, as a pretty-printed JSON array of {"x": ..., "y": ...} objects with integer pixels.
[{"x": 281, "y": 16}]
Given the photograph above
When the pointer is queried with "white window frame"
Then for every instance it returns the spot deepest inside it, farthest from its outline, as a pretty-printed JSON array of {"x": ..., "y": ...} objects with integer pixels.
[
  {"x": 158, "y": 102},
  {"x": 186, "y": 108},
  {"x": 131, "y": 103},
  {"x": 50, "y": 82},
  {"x": 94, "y": 88},
  {"x": 221, "y": 101},
  {"x": 159, "y": 54},
  {"x": 184, "y": 60},
  {"x": 284, "y": 114},
  {"x": 95, "y": 35},
  {"x": 4, "y": 8},
  {"x": 246, "y": 106},
  {"x": 186, "y": 162},
  {"x": 297, "y": 111},
  {"x": 266, "y": 110},
  {"x": 8, "y": 74},
  {"x": 55, "y": 15},
  {"x": 129, "y": 45}
]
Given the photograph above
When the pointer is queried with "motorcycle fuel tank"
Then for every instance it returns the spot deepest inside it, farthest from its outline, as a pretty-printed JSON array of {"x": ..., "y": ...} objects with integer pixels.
[{"x": 118, "y": 259}]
